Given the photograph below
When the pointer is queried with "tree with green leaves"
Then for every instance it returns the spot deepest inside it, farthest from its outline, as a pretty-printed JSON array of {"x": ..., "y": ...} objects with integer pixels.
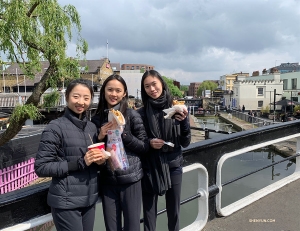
[
  {"x": 207, "y": 85},
  {"x": 38, "y": 30},
  {"x": 174, "y": 90}
]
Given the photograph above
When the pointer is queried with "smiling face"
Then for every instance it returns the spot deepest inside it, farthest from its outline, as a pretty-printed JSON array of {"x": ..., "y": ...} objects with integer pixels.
[
  {"x": 79, "y": 99},
  {"x": 153, "y": 86},
  {"x": 114, "y": 93}
]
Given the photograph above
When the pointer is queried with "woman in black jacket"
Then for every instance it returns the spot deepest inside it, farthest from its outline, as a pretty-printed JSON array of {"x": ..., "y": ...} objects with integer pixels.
[
  {"x": 121, "y": 189},
  {"x": 162, "y": 164},
  {"x": 64, "y": 156}
]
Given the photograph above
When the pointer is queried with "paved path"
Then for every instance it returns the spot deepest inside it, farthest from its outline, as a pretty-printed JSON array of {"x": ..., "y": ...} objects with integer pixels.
[
  {"x": 279, "y": 211},
  {"x": 287, "y": 148}
]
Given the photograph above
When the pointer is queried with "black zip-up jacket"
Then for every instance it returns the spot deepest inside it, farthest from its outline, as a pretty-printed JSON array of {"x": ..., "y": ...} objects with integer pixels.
[
  {"x": 181, "y": 133},
  {"x": 60, "y": 155},
  {"x": 135, "y": 142}
]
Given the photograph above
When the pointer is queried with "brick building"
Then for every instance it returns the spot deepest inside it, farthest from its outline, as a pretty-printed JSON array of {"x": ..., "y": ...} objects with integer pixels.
[
  {"x": 15, "y": 80},
  {"x": 141, "y": 67},
  {"x": 193, "y": 88}
]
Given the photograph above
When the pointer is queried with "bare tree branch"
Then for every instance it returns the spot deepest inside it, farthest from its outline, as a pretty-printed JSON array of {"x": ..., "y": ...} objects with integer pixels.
[
  {"x": 34, "y": 46},
  {"x": 29, "y": 13},
  {"x": 34, "y": 99}
]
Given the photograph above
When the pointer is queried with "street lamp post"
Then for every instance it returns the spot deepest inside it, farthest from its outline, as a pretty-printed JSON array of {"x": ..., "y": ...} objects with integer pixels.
[{"x": 274, "y": 103}]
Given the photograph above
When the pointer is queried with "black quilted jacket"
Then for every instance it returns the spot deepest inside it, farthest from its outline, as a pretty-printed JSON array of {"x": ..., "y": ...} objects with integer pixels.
[
  {"x": 65, "y": 140},
  {"x": 136, "y": 144}
]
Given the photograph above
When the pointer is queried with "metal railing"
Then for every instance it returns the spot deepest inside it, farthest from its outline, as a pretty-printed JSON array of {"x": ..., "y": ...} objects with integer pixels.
[{"x": 207, "y": 157}]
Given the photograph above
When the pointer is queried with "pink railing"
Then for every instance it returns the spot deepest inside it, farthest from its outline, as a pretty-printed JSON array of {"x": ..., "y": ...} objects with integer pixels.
[{"x": 17, "y": 176}]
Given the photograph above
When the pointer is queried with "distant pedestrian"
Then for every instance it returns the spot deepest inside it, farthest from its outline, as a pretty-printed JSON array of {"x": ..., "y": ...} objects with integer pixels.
[
  {"x": 243, "y": 108},
  {"x": 250, "y": 116}
]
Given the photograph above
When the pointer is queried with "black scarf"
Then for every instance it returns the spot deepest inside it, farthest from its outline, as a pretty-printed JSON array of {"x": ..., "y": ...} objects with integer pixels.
[{"x": 157, "y": 160}]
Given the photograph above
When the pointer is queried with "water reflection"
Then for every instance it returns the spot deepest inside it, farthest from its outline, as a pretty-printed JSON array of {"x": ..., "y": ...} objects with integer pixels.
[{"x": 249, "y": 162}]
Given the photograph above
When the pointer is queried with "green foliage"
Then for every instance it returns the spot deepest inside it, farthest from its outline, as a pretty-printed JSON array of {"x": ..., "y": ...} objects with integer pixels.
[
  {"x": 265, "y": 110},
  {"x": 25, "y": 111},
  {"x": 297, "y": 108},
  {"x": 174, "y": 90},
  {"x": 51, "y": 100},
  {"x": 184, "y": 88},
  {"x": 34, "y": 30},
  {"x": 207, "y": 85}
]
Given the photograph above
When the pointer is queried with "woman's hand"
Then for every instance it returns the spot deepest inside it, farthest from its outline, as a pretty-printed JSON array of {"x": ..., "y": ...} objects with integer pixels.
[
  {"x": 94, "y": 155},
  {"x": 181, "y": 115},
  {"x": 156, "y": 143},
  {"x": 103, "y": 130}
]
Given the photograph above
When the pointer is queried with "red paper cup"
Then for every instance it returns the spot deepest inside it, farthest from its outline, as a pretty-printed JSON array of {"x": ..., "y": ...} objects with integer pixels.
[{"x": 97, "y": 145}]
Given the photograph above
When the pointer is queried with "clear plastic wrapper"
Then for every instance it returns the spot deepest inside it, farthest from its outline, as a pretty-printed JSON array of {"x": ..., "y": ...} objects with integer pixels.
[{"x": 118, "y": 159}]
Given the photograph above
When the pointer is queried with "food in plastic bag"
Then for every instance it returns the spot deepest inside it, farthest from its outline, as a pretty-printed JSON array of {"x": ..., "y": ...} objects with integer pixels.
[{"x": 118, "y": 159}]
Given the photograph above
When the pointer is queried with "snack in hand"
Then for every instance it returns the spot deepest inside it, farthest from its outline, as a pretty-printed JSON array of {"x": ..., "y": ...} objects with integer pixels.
[
  {"x": 177, "y": 102},
  {"x": 176, "y": 106},
  {"x": 117, "y": 116}
]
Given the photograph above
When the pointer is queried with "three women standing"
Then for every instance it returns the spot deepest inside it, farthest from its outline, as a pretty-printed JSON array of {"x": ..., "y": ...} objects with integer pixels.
[
  {"x": 162, "y": 164},
  {"x": 121, "y": 189},
  {"x": 64, "y": 156}
]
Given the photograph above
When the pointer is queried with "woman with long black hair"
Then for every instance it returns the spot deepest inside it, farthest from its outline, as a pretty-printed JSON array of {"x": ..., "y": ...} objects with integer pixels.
[
  {"x": 162, "y": 164},
  {"x": 121, "y": 188}
]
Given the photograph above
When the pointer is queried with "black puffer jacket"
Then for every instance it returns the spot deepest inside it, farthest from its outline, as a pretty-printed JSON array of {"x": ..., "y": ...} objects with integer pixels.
[
  {"x": 64, "y": 143},
  {"x": 181, "y": 134},
  {"x": 136, "y": 144}
]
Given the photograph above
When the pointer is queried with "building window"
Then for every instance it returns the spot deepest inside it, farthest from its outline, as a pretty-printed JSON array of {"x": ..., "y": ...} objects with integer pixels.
[
  {"x": 294, "y": 84},
  {"x": 132, "y": 67},
  {"x": 260, "y": 91},
  {"x": 285, "y": 84},
  {"x": 260, "y": 103},
  {"x": 137, "y": 67},
  {"x": 127, "y": 67}
]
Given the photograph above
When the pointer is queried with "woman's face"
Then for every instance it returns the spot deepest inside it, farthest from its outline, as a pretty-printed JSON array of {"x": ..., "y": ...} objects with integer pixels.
[
  {"x": 153, "y": 86},
  {"x": 79, "y": 99},
  {"x": 114, "y": 92}
]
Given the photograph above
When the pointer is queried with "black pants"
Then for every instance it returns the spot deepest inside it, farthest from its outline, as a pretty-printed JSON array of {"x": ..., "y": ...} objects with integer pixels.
[
  {"x": 172, "y": 204},
  {"x": 79, "y": 219},
  {"x": 125, "y": 198}
]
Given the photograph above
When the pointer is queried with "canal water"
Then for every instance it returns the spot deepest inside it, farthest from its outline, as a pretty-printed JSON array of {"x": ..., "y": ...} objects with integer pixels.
[{"x": 232, "y": 168}]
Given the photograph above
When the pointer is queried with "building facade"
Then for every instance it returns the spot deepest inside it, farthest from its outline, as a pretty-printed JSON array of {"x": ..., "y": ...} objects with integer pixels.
[
  {"x": 14, "y": 79},
  {"x": 287, "y": 67},
  {"x": 193, "y": 88},
  {"x": 141, "y": 67},
  {"x": 258, "y": 92},
  {"x": 227, "y": 81}
]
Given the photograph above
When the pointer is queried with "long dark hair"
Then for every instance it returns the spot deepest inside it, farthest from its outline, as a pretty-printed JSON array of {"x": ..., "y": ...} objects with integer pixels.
[
  {"x": 102, "y": 105},
  {"x": 145, "y": 96}
]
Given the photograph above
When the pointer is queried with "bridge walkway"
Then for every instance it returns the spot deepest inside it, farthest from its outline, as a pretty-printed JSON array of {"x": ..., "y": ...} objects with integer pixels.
[{"x": 278, "y": 211}]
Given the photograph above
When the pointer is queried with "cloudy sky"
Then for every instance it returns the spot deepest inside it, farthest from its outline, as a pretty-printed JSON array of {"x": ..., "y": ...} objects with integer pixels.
[{"x": 192, "y": 40}]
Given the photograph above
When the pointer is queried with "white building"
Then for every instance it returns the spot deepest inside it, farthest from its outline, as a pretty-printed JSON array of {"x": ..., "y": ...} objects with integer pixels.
[
  {"x": 133, "y": 80},
  {"x": 256, "y": 92}
]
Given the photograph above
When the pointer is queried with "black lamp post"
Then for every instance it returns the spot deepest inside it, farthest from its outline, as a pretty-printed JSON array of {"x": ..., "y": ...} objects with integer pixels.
[{"x": 274, "y": 103}]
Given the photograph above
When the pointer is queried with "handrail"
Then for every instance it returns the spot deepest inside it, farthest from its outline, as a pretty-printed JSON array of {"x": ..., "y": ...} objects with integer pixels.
[
  {"x": 209, "y": 153},
  {"x": 229, "y": 209}
]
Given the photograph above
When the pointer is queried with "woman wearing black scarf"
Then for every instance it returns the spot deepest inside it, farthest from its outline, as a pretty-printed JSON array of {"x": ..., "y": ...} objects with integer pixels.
[{"x": 162, "y": 164}]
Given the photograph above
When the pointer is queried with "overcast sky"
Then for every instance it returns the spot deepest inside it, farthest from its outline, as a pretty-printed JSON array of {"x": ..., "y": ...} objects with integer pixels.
[{"x": 192, "y": 40}]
